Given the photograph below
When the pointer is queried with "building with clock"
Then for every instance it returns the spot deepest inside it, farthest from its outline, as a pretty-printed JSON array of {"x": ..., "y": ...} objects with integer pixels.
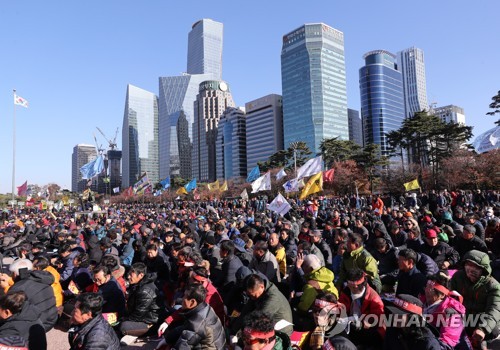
[{"x": 213, "y": 98}]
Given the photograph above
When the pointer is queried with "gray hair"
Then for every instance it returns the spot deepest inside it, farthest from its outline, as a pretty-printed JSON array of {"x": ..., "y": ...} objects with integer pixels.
[{"x": 20, "y": 264}]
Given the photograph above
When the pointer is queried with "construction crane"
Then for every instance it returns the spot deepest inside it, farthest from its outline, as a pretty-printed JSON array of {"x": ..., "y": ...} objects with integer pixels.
[{"x": 112, "y": 143}]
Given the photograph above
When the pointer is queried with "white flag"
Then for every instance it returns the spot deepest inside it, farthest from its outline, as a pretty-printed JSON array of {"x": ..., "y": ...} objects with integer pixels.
[
  {"x": 244, "y": 195},
  {"x": 263, "y": 183},
  {"x": 281, "y": 174},
  {"x": 293, "y": 185},
  {"x": 18, "y": 100},
  {"x": 312, "y": 167},
  {"x": 116, "y": 189},
  {"x": 279, "y": 205}
]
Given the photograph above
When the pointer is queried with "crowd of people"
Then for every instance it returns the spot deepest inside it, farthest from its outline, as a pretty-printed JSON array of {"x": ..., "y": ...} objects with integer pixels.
[{"x": 380, "y": 272}]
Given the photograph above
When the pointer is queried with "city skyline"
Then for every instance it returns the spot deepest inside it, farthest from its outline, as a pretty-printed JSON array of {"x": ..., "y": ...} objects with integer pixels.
[{"x": 73, "y": 74}]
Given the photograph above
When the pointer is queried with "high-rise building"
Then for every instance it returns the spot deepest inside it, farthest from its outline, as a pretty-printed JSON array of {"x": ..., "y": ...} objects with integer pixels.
[
  {"x": 411, "y": 64},
  {"x": 178, "y": 93},
  {"x": 205, "y": 48},
  {"x": 355, "y": 127},
  {"x": 213, "y": 99},
  {"x": 314, "y": 85},
  {"x": 450, "y": 114},
  {"x": 382, "y": 103},
  {"x": 264, "y": 123},
  {"x": 82, "y": 154},
  {"x": 140, "y": 136},
  {"x": 176, "y": 117},
  {"x": 231, "y": 145}
]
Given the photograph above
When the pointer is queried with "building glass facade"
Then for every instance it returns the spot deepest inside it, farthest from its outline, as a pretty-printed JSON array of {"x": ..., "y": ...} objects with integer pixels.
[
  {"x": 355, "y": 127},
  {"x": 382, "y": 103},
  {"x": 412, "y": 66},
  {"x": 314, "y": 85},
  {"x": 264, "y": 124},
  {"x": 231, "y": 144},
  {"x": 213, "y": 99},
  {"x": 82, "y": 154},
  {"x": 140, "y": 136},
  {"x": 205, "y": 48}
]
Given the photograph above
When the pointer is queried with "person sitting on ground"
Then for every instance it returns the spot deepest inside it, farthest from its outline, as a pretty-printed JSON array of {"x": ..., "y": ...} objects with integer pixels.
[
  {"x": 201, "y": 327},
  {"x": 20, "y": 318},
  {"x": 42, "y": 264},
  {"x": 264, "y": 261},
  {"x": 467, "y": 241},
  {"x": 444, "y": 255},
  {"x": 143, "y": 305},
  {"x": 90, "y": 330},
  {"x": 107, "y": 286},
  {"x": 410, "y": 279},
  {"x": 266, "y": 297},
  {"x": 37, "y": 286},
  {"x": 259, "y": 334}
]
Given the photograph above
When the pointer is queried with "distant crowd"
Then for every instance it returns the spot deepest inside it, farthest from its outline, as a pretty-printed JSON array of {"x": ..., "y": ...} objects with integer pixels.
[{"x": 416, "y": 271}]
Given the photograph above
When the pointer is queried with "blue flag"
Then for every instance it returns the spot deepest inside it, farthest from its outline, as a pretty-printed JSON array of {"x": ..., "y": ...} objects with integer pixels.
[
  {"x": 165, "y": 183},
  {"x": 254, "y": 174},
  {"x": 92, "y": 168},
  {"x": 191, "y": 185}
]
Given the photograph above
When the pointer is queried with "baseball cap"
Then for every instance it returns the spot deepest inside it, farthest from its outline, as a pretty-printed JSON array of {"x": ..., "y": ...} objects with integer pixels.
[{"x": 430, "y": 233}]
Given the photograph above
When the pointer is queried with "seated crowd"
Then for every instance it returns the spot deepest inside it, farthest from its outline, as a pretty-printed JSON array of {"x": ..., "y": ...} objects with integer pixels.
[{"x": 329, "y": 274}]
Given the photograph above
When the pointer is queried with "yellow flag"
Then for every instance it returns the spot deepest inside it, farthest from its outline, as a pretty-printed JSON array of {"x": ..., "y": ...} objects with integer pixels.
[
  {"x": 214, "y": 186},
  {"x": 65, "y": 200},
  {"x": 224, "y": 188},
  {"x": 181, "y": 190},
  {"x": 315, "y": 184},
  {"x": 412, "y": 185}
]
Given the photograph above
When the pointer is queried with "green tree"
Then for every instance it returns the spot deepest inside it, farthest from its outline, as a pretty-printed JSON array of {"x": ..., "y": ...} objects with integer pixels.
[
  {"x": 398, "y": 145},
  {"x": 285, "y": 158},
  {"x": 335, "y": 150},
  {"x": 495, "y": 105},
  {"x": 371, "y": 160},
  {"x": 178, "y": 182}
]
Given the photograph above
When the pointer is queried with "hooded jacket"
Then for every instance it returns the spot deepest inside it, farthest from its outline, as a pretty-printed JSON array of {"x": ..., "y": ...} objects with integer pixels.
[
  {"x": 362, "y": 259},
  {"x": 27, "y": 325},
  {"x": 268, "y": 265},
  {"x": 452, "y": 311},
  {"x": 38, "y": 288},
  {"x": 482, "y": 297},
  {"x": 318, "y": 280}
]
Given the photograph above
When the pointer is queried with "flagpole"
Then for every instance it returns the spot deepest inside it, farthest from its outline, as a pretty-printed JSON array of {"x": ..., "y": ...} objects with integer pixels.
[{"x": 14, "y": 152}]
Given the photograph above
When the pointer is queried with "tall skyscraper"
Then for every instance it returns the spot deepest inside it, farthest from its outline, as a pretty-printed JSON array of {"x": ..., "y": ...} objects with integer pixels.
[
  {"x": 355, "y": 127},
  {"x": 82, "y": 154},
  {"x": 140, "y": 136},
  {"x": 382, "y": 103},
  {"x": 213, "y": 99},
  {"x": 412, "y": 66},
  {"x": 231, "y": 144},
  {"x": 178, "y": 93},
  {"x": 450, "y": 114},
  {"x": 205, "y": 48},
  {"x": 264, "y": 123},
  {"x": 314, "y": 85}
]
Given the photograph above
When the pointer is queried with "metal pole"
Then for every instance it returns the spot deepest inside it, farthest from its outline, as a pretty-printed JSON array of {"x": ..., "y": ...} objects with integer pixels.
[
  {"x": 295, "y": 160},
  {"x": 14, "y": 153}
]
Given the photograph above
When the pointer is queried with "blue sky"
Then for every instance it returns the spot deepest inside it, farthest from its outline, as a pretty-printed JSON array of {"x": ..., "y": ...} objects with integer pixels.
[{"x": 72, "y": 60}]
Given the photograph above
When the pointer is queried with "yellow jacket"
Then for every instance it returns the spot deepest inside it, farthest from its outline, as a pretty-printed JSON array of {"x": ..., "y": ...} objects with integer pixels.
[{"x": 56, "y": 286}]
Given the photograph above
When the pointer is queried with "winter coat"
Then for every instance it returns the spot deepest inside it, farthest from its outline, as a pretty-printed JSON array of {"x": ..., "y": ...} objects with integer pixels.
[
  {"x": 387, "y": 263},
  {"x": 202, "y": 329},
  {"x": 318, "y": 280},
  {"x": 412, "y": 282},
  {"x": 315, "y": 250},
  {"x": 371, "y": 304},
  {"x": 452, "y": 311},
  {"x": 268, "y": 265},
  {"x": 144, "y": 304},
  {"x": 272, "y": 302},
  {"x": 441, "y": 252},
  {"x": 463, "y": 246},
  {"x": 426, "y": 265},
  {"x": 418, "y": 339},
  {"x": 37, "y": 286},
  {"x": 230, "y": 264},
  {"x": 127, "y": 253},
  {"x": 114, "y": 299},
  {"x": 291, "y": 250},
  {"x": 362, "y": 259},
  {"x": 27, "y": 325},
  {"x": 159, "y": 265},
  {"x": 482, "y": 297},
  {"x": 326, "y": 251},
  {"x": 95, "y": 334},
  {"x": 280, "y": 255},
  {"x": 56, "y": 286}
]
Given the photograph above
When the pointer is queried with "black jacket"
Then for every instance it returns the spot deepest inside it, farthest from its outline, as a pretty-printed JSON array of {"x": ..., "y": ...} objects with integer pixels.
[
  {"x": 159, "y": 265},
  {"x": 27, "y": 325},
  {"x": 462, "y": 246},
  {"x": 326, "y": 251},
  {"x": 143, "y": 303},
  {"x": 420, "y": 339},
  {"x": 441, "y": 252},
  {"x": 412, "y": 282},
  {"x": 230, "y": 264},
  {"x": 202, "y": 329},
  {"x": 38, "y": 289},
  {"x": 95, "y": 334},
  {"x": 114, "y": 300}
]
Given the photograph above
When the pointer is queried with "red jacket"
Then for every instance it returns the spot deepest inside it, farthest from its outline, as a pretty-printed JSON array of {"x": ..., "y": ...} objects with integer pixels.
[{"x": 371, "y": 305}]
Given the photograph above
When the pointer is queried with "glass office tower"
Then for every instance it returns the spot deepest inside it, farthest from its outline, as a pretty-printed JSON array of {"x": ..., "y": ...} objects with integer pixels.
[
  {"x": 382, "y": 103},
  {"x": 205, "y": 48},
  {"x": 412, "y": 66},
  {"x": 231, "y": 144},
  {"x": 140, "y": 136},
  {"x": 314, "y": 85}
]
